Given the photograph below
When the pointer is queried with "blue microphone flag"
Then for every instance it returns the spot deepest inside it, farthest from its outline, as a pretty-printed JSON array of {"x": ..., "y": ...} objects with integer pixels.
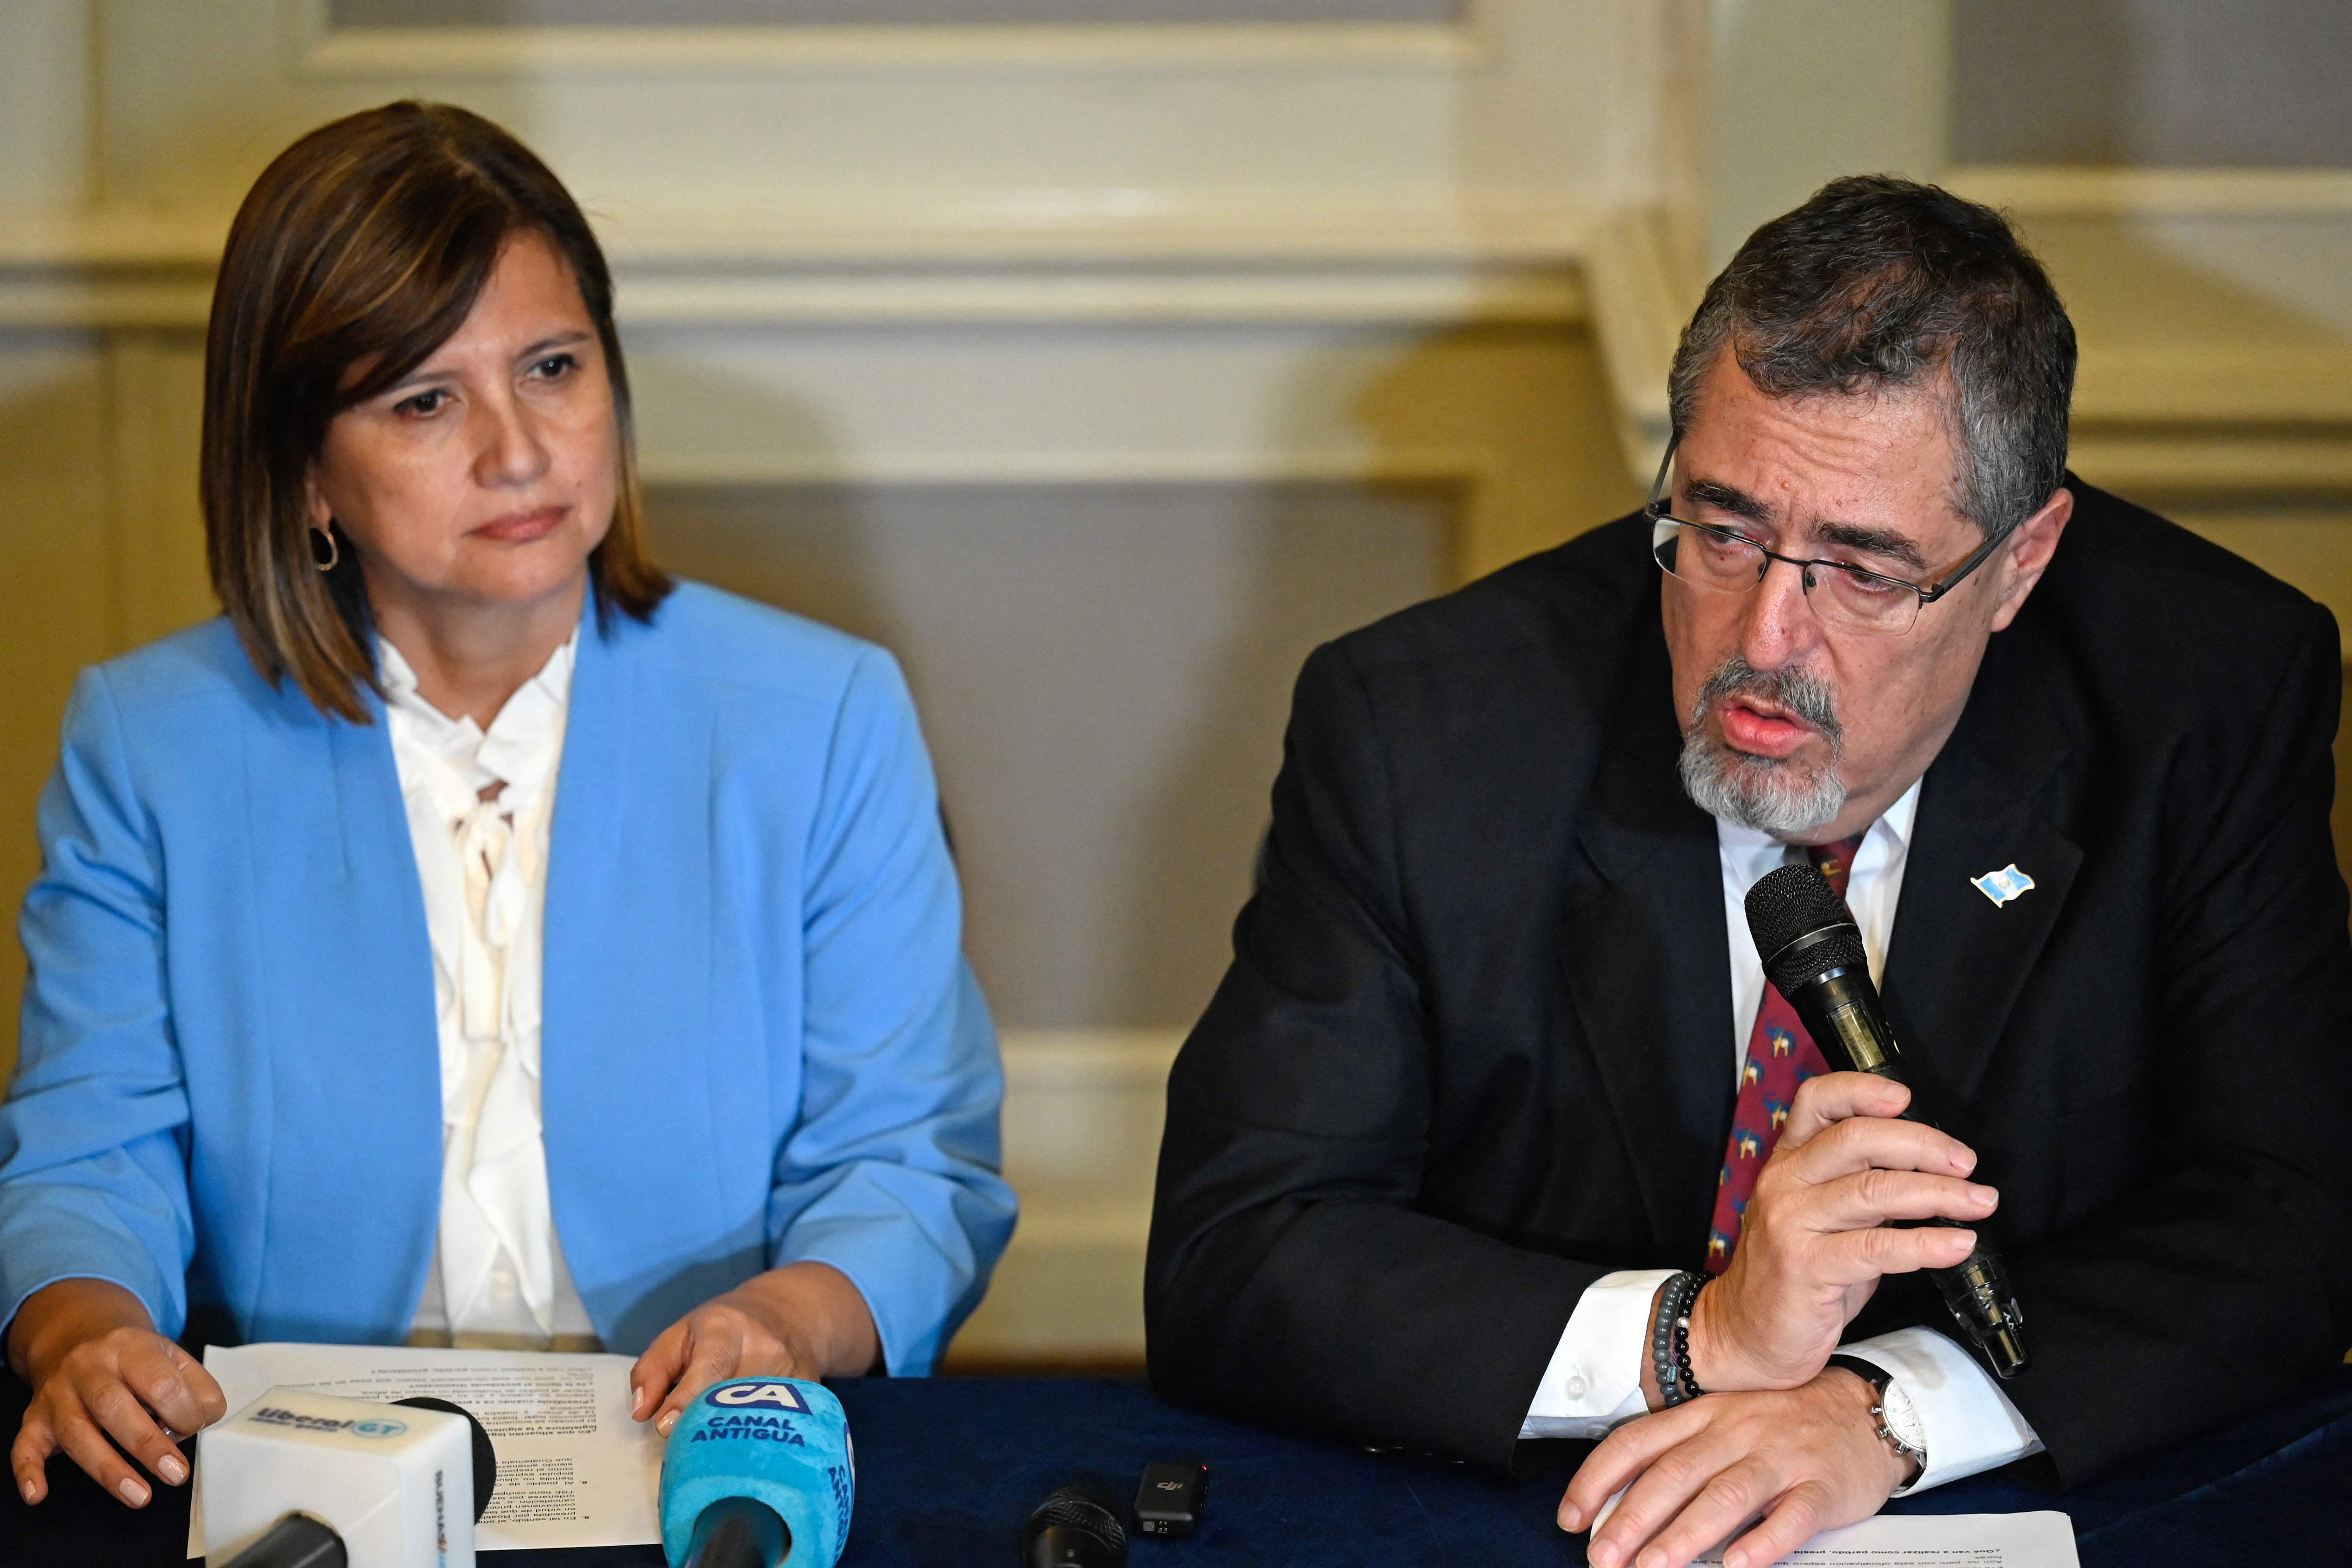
[{"x": 780, "y": 1440}]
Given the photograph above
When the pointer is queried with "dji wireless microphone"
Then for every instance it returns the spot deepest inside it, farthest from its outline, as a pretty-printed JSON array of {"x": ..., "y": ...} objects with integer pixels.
[
  {"x": 1168, "y": 1499},
  {"x": 1813, "y": 955},
  {"x": 759, "y": 1471}
]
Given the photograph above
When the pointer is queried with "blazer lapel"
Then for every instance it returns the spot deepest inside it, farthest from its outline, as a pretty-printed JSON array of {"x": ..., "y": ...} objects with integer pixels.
[
  {"x": 593, "y": 1002},
  {"x": 1645, "y": 955},
  {"x": 355, "y": 1064},
  {"x": 636, "y": 1127},
  {"x": 1958, "y": 958}
]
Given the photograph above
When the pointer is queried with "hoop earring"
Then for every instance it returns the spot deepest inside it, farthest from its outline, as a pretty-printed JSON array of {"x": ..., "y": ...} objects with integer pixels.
[{"x": 325, "y": 561}]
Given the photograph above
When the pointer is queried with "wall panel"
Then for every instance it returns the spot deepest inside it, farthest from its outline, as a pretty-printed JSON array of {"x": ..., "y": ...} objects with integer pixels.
[
  {"x": 2177, "y": 83},
  {"x": 1519, "y": 104},
  {"x": 881, "y": 13},
  {"x": 56, "y": 570},
  {"x": 1104, "y": 673}
]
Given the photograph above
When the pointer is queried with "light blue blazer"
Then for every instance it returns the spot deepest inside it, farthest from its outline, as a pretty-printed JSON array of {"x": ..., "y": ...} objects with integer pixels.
[{"x": 761, "y": 1043}]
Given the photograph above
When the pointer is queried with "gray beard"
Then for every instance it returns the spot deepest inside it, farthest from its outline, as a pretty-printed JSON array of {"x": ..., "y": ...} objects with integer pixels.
[{"x": 1764, "y": 793}]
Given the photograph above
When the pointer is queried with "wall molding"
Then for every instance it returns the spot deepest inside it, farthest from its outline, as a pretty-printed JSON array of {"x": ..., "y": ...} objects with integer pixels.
[
  {"x": 2253, "y": 421},
  {"x": 2151, "y": 412},
  {"x": 1013, "y": 260},
  {"x": 317, "y": 49},
  {"x": 2046, "y": 191},
  {"x": 1642, "y": 291}
]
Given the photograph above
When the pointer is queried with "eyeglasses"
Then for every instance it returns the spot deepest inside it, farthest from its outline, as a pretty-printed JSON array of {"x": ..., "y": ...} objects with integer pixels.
[{"x": 1725, "y": 561}]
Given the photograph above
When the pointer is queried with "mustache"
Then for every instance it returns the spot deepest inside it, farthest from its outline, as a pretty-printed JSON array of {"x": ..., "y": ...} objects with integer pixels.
[{"x": 1798, "y": 691}]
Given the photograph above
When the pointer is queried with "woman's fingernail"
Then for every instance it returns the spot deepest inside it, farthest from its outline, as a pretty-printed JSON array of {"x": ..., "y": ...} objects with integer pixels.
[
  {"x": 1735, "y": 1559},
  {"x": 132, "y": 1493},
  {"x": 666, "y": 1423},
  {"x": 1984, "y": 1194},
  {"x": 1571, "y": 1520},
  {"x": 1603, "y": 1552},
  {"x": 172, "y": 1469}
]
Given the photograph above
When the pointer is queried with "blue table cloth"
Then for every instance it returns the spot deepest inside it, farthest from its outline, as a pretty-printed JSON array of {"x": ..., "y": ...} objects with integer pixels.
[{"x": 949, "y": 1468}]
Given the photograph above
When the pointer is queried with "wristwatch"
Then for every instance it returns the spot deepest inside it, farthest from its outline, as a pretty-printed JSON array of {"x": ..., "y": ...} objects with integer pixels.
[{"x": 1898, "y": 1420}]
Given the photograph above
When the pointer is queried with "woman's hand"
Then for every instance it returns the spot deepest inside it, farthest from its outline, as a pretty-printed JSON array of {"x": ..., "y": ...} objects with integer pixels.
[
  {"x": 98, "y": 1370},
  {"x": 804, "y": 1320}
]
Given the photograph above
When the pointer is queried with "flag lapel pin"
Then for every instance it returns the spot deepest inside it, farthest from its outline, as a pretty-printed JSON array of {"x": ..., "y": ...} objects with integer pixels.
[{"x": 2003, "y": 885}]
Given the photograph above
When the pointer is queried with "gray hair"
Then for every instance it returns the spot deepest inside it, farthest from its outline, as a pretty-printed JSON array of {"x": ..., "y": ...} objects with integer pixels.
[{"x": 1883, "y": 284}]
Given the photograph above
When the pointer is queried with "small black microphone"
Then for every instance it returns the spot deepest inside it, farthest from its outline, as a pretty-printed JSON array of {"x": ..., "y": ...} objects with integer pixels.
[
  {"x": 738, "y": 1532},
  {"x": 296, "y": 1541},
  {"x": 485, "y": 1458},
  {"x": 1077, "y": 1527},
  {"x": 1813, "y": 955}
]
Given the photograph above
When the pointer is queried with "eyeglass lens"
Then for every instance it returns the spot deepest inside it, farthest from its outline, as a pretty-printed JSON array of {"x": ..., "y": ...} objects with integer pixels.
[{"x": 1727, "y": 563}]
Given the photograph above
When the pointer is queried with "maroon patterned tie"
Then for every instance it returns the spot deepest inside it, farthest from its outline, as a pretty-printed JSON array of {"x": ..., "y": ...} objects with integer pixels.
[{"x": 1781, "y": 1056}]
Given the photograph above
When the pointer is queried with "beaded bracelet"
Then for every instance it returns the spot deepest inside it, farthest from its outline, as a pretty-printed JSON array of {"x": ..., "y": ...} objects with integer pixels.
[
  {"x": 1670, "y": 1338},
  {"x": 1691, "y": 1390}
]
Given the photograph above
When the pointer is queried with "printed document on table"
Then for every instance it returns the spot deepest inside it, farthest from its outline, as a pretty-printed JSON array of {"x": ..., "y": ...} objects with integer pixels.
[
  {"x": 573, "y": 1470},
  {"x": 2044, "y": 1539}
]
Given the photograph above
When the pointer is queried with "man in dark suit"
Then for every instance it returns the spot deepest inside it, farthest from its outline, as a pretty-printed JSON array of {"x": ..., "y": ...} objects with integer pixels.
[{"x": 1495, "y": 1080}]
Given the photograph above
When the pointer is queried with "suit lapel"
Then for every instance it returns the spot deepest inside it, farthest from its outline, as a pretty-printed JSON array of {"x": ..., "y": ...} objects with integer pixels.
[
  {"x": 1959, "y": 959},
  {"x": 1646, "y": 957}
]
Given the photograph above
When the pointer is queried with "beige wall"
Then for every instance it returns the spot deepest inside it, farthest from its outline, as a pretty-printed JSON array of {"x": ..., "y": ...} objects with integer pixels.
[{"x": 56, "y": 563}]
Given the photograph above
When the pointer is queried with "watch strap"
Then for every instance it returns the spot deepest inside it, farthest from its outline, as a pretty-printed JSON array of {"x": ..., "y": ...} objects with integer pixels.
[{"x": 1878, "y": 1377}]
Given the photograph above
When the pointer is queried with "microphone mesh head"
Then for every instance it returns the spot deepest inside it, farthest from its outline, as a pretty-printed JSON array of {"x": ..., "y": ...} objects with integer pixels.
[
  {"x": 1087, "y": 1507},
  {"x": 485, "y": 1458},
  {"x": 1787, "y": 904}
]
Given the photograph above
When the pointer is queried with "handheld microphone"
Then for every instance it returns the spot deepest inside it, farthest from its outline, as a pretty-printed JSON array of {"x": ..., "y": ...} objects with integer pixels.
[
  {"x": 1813, "y": 955},
  {"x": 757, "y": 1471},
  {"x": 1076, "y": 1527},
  {"x": 298, "y": 1479}
]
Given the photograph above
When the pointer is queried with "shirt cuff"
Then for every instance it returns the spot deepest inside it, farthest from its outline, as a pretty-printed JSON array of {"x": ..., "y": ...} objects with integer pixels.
[
  {"x": 1595, "y": 1381},
  {"x": 1969, "y": 1423}
]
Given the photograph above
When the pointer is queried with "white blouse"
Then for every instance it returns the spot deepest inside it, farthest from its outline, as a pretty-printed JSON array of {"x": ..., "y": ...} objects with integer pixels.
[{"x": 479, "y": 807}]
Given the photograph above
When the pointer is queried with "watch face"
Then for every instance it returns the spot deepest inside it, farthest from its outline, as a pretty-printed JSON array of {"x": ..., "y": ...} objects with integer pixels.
[{"x": 1903, "y": 1416}]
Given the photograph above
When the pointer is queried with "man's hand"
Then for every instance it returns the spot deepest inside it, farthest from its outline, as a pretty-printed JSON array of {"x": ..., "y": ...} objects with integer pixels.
[
  {"x": 1810, "y": 1243},
  {"x": 1807, "y": 1460},
  {"x": 804, "y": 1320},
  {"x": 98, "y": 1370}
]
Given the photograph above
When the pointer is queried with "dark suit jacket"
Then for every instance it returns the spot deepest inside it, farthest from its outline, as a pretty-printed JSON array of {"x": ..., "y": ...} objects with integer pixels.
[{"x": 1474, "y": 1049}]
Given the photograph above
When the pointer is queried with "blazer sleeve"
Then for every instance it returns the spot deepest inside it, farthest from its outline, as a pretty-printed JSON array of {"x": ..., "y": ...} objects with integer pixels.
[
  {"x": 891, "y": 1173},
  {"x": 1290, "y": 1277},
  {"x": 2215, "y": 1288},
  {"x": 93, "y": 1159}
]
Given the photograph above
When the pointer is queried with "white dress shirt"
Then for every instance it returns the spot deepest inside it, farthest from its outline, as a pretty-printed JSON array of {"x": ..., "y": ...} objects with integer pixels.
[
  {"x": 1594, "y": 1380},
  {"x": 479, "y": 804}
]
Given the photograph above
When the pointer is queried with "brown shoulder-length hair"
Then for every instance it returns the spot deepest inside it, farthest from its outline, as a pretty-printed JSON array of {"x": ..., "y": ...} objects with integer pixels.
[{"x": 359, "y": 251}]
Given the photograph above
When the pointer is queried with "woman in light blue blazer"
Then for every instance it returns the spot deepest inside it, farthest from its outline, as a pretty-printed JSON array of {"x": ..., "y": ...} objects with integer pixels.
[{"x": 679, "y": 1011}]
